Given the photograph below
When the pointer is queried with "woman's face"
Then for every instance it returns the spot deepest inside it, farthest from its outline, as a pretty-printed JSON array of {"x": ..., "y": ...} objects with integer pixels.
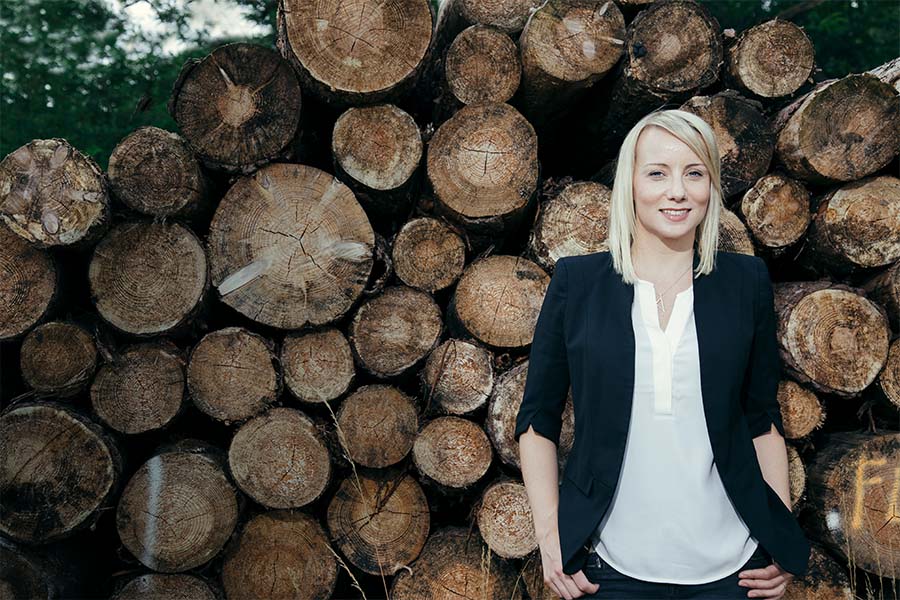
[{"x": 671, "y": 187}]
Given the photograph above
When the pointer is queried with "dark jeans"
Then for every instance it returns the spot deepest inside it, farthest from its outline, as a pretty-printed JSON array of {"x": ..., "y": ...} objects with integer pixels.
[{"x": 615, "y": 585}]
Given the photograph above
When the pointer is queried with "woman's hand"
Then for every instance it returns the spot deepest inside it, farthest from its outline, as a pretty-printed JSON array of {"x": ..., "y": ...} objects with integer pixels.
[
  {"x": 566, "y": 586},
  {"x": 770, "y": 582}
]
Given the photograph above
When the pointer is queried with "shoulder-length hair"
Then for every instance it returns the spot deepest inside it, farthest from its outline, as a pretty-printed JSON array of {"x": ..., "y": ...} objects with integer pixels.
[{"x": 700, "y": 138}]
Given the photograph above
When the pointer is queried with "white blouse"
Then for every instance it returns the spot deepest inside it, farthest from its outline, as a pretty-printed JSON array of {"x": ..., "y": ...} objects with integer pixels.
[{"x": 670, "y": 519}]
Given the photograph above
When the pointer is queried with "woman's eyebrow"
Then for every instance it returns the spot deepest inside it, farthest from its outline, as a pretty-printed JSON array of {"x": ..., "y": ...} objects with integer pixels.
[{"x": 666, "y": 165}]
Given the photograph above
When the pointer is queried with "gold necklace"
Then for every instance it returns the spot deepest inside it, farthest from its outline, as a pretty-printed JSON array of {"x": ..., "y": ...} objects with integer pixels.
[{"x": 659, "y": 297}]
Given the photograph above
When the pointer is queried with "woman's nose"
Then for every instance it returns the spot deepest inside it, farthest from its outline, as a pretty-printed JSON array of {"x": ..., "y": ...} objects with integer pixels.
[{"x": 676, "y": 189}]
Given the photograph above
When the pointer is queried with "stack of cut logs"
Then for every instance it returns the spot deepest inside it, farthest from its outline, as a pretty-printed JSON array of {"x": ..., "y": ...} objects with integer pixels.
[{"x": 247, "y": 361}]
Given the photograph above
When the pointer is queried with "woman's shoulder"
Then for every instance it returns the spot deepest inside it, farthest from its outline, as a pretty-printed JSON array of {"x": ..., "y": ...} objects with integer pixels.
[{"x": 593, "y": 261}]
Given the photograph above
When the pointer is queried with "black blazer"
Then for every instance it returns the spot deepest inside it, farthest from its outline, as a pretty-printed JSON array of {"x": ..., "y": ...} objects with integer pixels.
[{"x": 584, "y": 338}]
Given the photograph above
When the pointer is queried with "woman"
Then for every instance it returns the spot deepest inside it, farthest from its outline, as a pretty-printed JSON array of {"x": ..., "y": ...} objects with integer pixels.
[{"x": 677, "y": 483}]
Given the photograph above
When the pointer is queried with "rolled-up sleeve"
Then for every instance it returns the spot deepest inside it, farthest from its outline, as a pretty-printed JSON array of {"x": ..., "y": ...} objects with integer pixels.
[
  {"x": 760, "y": 392},
  {"x": 547, "y": 381}
]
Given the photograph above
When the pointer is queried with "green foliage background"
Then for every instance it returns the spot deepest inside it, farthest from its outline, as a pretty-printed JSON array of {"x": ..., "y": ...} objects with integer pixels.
[{"x": 78, "y": 69}]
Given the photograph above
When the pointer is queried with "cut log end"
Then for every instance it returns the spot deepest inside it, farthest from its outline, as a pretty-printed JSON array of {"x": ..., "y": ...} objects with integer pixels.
[
  {"x": 482, "y": 65},
  {"x": 459, "y": 376},
  {"x": 318, "y": 366},
  {"x": 377, "y": 425},
  {"x": 505, "y": 520},
  {"x": 453, "y": 452},
  {"x": 428, "y": 255},
  {"x": 776, "y": 211},
  {"x": 772, "y": 59},
  {"x": 58, "y": 358},
  {"x": 573, "y": 223},
  {"x": 27, "y": 286},
  {"x": 172, "y": 587},
  {"x": 801, "y": 411}
]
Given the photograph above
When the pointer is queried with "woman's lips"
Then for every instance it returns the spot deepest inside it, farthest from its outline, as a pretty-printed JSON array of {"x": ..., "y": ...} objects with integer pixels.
[{"x": 675, "y": 215}]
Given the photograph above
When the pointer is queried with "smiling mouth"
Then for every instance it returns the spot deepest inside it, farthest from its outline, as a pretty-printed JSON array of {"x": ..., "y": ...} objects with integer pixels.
[{"x": 675, "y": 211}]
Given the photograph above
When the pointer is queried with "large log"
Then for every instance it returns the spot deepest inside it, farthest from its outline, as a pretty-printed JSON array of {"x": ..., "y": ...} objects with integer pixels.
[
  {"x": 318, "y": 365},
  {"x": 357, "y": 53},
  {"x": 854, "y": 486},
  {"x": 53, "y": 195},
  {"x": 459, "y": 376},
  {"x": 482, "y": 65},
  {"x": 428, "y": 254},
  {"x": 28, "y": 282},
  {"x": 830, "y": 337},
  {"x": 776, "y": 212},
  {"x": 505, "y": 520},
  {"x": 770, "y": 60},
  {"x": 377, "y": 425},
  {"x": 58, "y": 358},
  {"x": 733, "y": 234},
  {"x": 570, "y": 222},
  {"x": 825, "y": 579},
  {"x": 148, "y": 278},
  {"x": 452, "y": 452},
  {"x": 238, "y": 108},
  {"x": 889, "y": 73},
  {"x": 844, "y": 129},
  {"x": 290, "y": 246},
  {"x": 57, "y": 470},
  {"x": 154, "y": 586}
]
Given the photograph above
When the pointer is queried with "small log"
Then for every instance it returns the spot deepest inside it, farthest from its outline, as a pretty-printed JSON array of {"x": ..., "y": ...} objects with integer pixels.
[
  {"x": 482, "y": 65},
  {"x": 505, "y": 15},
  {"x": 284, "y": 553},
  {"x": 459, "y": 376},
  {"x": 505, "y": 520},
  {"x": 171, "y": 587},
  {"x": 46, "y": 494},
  {"x": 825, "y": 579},
  {"x": 232, "y": 374},
  {"x": 28, "y": 282},
  {"x": 377, "y": 151},
  {"x": 498, "y": 299},
  {"x": 853, "y": 483},
  {"x": 567, "y": 46},
  {"x": 801, "y": 410},
  {"x": 843, "y": 130},
  {"x": 889, "y": 378},
  {"x": 428, "y": 255},
  {"x": 238, "y": 108},
  {"x": 500, "y": 422},
  {"x": 884, "y": 288},
  {"x": 571, "y": 223},
  {"x": 318, "y": 365},
  {"x": 377, "y": 425},
  {"x": 770, "y": 60},
  {"x": 141, "y": 389},
  {"x": 830, "y": 337},
  {"x": 456, "y": 564},
  {"x": 482, "y": 164},
  {"x": 280, "y": 460},
  {"x": 856, "y": 226},
  {"x": 776, "y": 212},
  {"x": 379, "y": 523},
  {"x": 889, "y": 73},
  {"x": 290, "y": 246},
  {"x": 148, "y": 278},
  {"x": 58, "y": 358},
  {"x": 358, "y": 53},
  {"x": 394, "y": 331},
  {"x": 733, "y": 234},
  {"x": 796, "y": 476},
  {"x": 744, "y": 136},
  {"x": 453, "y": 452},
  {"x": 53, "y": 195},
  {"x": 178, "y": 509}
]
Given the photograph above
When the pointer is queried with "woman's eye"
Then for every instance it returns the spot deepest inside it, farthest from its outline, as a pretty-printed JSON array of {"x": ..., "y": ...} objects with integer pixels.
[
  {"x": 696, "y": 173},
  {"x": 654, "y": 173}
]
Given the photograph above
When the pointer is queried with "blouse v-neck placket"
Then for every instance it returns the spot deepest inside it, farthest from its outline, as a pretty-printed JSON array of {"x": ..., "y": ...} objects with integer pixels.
[{"x": 664, "y": 343}]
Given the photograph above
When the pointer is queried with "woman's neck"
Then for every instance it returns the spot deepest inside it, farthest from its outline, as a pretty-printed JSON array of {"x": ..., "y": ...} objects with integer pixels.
[{"x": 659, "y": 261}]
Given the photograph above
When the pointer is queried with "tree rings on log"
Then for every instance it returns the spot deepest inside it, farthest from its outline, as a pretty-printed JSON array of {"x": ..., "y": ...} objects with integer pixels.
[
  {"x": 58, "y": 358},
  {"x": 177, "y": 511},
  {"x": 884, "y": 289},
  {"x": 505, "y": 520},
  {"x": 290, "y": 246},
  {"x": 845, "y": 129},
  {"x": 498, "y": 299},
  {"x": 428, "y": 255},
  {"x": 238, "y": 108},
  {"x": 380, "y": 524},
  {"x": 453, "y": 452},
  {"x": 57, "y": 469},
  {"x": 572, "y": 223},
  {"x": 141, "y": 389},
  {"x": 459, "y": 376},
  {"x": 776, "y": 211},
  {"x": 28, "y": 281},
  {"x": 155, "y": 586},
  {"x": 482, "y": 65},
  {"x": 378, "y": 425},
  {"x": 744, "y": 136},
  {"x": 831, "y": 337},
  {"x": 503, "y": 407},
  {"x": 889, "y": 378},
  {"x": 53, "y": 195},
  {"x": 852, "y": 486},
  {"x": 457, "y": 565},
  {"x": 508, "y": 16},
  {"x": 283, "y": 552},
  {"x": 280, "y": 460},
  {"x": 232, "y": 374},
  {"x": 733, "y": 234},
  {"x": 482, "y": 164},
  {"x": 801, "y": 410},
  {"x": 772, "y": 59},
  {"x": 356, "y": 53},
  {"x": 796, "y": 476},
  {"x": 154, "y": 172},
  {"x": 318, "y": 365},
  {"x": 394, "y": 331},
  {"x": 857, "y": 225},
  {"x": 148, "y": 278}
]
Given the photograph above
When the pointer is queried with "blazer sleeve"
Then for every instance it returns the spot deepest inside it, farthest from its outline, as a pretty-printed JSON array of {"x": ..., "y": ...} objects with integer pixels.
[
  {"x": 547, "y": 381},
  {"x": 763, "y": 374}
]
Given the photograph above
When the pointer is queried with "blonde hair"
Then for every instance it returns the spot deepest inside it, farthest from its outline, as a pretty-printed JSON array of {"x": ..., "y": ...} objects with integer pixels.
[{"x": 700, "y": 138}]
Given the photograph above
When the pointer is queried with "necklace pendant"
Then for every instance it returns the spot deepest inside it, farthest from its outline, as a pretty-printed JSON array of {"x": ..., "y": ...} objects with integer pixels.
[{"x": 660, "y": 303}]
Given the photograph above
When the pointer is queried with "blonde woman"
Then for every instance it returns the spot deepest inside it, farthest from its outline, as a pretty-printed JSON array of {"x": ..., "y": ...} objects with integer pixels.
[{"x": 677, "y": 483}]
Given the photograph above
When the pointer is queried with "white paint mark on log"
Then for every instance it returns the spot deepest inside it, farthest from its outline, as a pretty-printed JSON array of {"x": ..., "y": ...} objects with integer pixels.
[
  {"x": 352, "y": 251},
  {"x": 833, "y": 520},
  {"x": 154, "y": 487},
  {"x": 50, "y": 223},
  {"x": 573, "y": 25},
  {"x": 244, "y": 275},
  {"x": 602, "y": 10},
  {"x": 588, "y": 49}
]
